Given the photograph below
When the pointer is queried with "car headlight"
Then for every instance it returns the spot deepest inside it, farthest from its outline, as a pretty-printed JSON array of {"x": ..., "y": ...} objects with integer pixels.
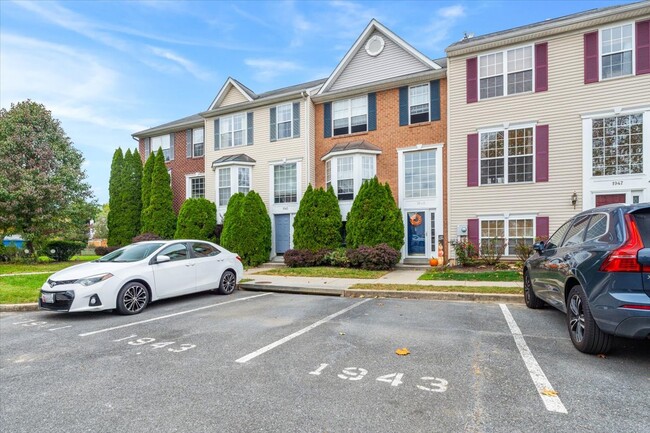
[{"x": 89, "y": 281}]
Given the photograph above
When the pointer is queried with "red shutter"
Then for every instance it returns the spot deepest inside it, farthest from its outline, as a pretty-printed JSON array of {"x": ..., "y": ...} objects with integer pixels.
[
  {"x": 591, "y": 57},
  {"x": 472, "y": 159},
  {"x": 472, "y": 80},
  {"x": 643, "y": 47},
  {"x": 541, "y": 67},
  {"x": 541, "y": 153},
  {"x": 541, "y": 227},
  {"x": 473, "y": 232}
]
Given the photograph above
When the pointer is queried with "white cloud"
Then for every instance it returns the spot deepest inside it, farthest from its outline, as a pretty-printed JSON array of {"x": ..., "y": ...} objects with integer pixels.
[
  {"x": 184, "y": 63},
  {"x": 436, "y": 35},
  {"x": 455, "y": 11},
  {"x": 268, "y": 69}
]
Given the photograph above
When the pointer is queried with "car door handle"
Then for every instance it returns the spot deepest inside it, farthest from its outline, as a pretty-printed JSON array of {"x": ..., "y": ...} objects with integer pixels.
[{"x": 191, "y": 264}]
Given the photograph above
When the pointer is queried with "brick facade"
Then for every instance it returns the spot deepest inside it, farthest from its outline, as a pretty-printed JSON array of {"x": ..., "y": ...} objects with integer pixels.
[{"x": 180, "y": 166}]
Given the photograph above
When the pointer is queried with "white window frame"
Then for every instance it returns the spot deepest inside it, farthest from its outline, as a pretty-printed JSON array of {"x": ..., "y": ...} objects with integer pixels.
[
  {"x": 506, "y": 218},
  {"x": 505, "y": 129},
  {"x": 234, "y": 186},
  {"x": 435, "y": 174},
  {"x": 296, "y": 169},
  {"x": 357, "y": 170},
  {"x": 231, "y": 120},
  {"x": 600, "y": 51},
  {"x": 188, "y": 183},
  {"x": 349, "y": 116},
  {"x": 504, "y": 74},
  {"x": 194, "y": 142},
  {"x": 165, "y": 144},
  {"x": 428, "y": 102},
  {"x": 290, "y": 121}
]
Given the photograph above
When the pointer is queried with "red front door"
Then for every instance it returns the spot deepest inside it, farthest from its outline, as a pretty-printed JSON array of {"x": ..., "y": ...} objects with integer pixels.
[{"x": 604, "y": 199}]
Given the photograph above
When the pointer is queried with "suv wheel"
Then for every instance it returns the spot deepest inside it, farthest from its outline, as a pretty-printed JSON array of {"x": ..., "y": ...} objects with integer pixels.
[
  {"x": 532, "y": 301},
  {"x": 583, "y": 330}
]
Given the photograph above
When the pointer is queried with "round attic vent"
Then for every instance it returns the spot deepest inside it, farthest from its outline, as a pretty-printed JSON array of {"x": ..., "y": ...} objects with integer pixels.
[{"x": 375, "y": 45}]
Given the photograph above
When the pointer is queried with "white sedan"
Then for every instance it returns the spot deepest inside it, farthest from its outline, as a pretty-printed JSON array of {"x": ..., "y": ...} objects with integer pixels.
[{"x": 128, "y": 279}]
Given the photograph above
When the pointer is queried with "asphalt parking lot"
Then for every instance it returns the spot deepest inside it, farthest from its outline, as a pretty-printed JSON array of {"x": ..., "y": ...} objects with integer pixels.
[{"x": 280, "y": 362}]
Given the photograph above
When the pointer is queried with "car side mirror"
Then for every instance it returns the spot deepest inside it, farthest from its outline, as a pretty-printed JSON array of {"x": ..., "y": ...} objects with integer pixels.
[
  {"x": 162, "y": 259},
  {"x": 539, "y": 247},
  {"x": 643, "y": 257}
]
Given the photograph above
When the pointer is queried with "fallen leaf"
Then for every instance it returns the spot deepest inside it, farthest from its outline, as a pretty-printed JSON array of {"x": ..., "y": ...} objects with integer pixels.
[
  {"x": 341, "y": 333},
  {"x": 602, "y": 355},
  {"x": 403, "y": 351},
  {"x": 549, "y": 392}
]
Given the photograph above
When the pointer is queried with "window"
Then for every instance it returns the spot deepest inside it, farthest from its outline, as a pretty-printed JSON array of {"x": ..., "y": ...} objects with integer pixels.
[
  {"x": 243, "y": 180},
  {"x": 345, "y": 185},
  {"x": 328, "y": 173},
  {"x": 232, "y": 130},
  {"x": 350, "y": 115},
  {"x": 420, "y": 174},
  {"x": 520, "y": 231},
  {"x": 198, "y": 142},
  {"x": 504, "y": 235},
  {"x": 516, "y": 72},
  {"x": 162, "y": 142},
  {"x": 492, "y": 235},
  {"x": 555, "y": 240},
  {"x": 347, "y": 173},
  {"x": 197, "y": 187},
  {"x": 511, "y": 163},
  {"x": 204, "y": 250},
  {"x": 616, "y": 51},
  {"x": 175, "y": 252},
  {"x": 224, "y": 186},
  {"x": 419, "y": 101},
  {"x": 576, "y": 233},
  {"x": 617, "y": 145},
  {"x": 285, "y": 183},
  {"x": 368, "y": 170},
  {"x": 283, "y": 123},
  {"x": 597, "y": 226}
]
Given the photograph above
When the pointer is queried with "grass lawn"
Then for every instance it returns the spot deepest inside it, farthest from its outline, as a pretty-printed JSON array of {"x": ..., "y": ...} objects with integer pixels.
[
  {"x": 18, "y": 289},
  {"x": 324, "y": 271},
  {"x": 418, "y": 288},
  {"x": 450, "y": 274},
  {"x": 43, "y": 266}
]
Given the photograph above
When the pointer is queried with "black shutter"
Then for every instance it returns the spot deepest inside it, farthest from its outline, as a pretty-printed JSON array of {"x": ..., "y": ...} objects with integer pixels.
[
  {"x": 249, "y": 128},
  {"x": 274, "y": 132},
  {"x": 403, "y": 106},
  {"x": 188, "y": 143},
  {"x": 372, "y": 111},
  {"x": 435, "y": 99},
  {"x": 216, "y": 134},
  {"x": 327, "y": 119},
  {"x": 296, "y": 119}
]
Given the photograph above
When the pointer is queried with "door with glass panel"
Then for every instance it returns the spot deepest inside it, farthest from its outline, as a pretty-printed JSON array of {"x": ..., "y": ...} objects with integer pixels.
[{"x": 421, "y": 233}]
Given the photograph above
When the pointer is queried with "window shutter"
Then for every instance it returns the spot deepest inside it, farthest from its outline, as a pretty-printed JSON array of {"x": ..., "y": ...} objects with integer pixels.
[
  {"x": 372, "y": 111},
  {"x": 541, "y": 153},
  {"x": 172, "y": 139},
  {"x": 643, "y": 47},
  {"x": 541, "y": 226},
  {"x": 403, "y": 106},
  {"x": 217, "y": 137},
  {"x": 591, "y": 57},
  {"x": 188, "y": 143},
  {"x": 249, "y": 128},
  {"x": 471, "y": 80},
  {"x": 434, "y": 92},
  {"x": 327, "y": 119},
  {"x": 274, "y": 130},
  {"x": 147, "y": 147},
  {"x": 541, "y": 67},
  {"x": 472, "y": 160},
  {"x": 473, "y": 232},
  {"x": 296, "y": 119}
]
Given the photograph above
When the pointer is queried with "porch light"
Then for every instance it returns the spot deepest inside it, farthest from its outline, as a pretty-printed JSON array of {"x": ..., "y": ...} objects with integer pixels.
[{"x": 574, "y": 199}]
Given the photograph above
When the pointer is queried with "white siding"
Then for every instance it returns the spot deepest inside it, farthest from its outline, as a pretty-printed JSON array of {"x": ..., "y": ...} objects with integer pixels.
[
  {"x": 392, "y": 62},
  {"x": 560, "y": 107},
  {"x": 233, "y": 97}
]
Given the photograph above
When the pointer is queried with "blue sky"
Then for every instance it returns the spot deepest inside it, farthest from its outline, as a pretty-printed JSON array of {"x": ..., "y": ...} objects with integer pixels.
[{"x": 107, "y": 69}]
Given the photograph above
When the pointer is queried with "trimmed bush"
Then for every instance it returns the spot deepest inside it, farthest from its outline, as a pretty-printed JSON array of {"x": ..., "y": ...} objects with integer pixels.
[
  {"x": 145, "y": 188},
  {"x": 102, "y": 251},
  {"x": 146, "y": 237},
  {"x": 317, "y": 223},
  {"x": 131, "y": 196},
  {"x": 253, "y": 231},
  {"x": 161, "y": 218},
  {"x": 197, "y": 219},
  {"x": 62, "y": 251},
  {"x": 114, "y": 219},
  {"x": 305, "y": 258},
  {"x": 379, "y": 257},
  {"x": 375, "y": 218},
  {"x": 232, "y": 223}
]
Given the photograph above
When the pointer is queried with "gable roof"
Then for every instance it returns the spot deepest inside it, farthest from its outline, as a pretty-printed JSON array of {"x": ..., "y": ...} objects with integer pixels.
[
  {"x": 231, "y": 82},
  {"x": 373, "y": 26}
]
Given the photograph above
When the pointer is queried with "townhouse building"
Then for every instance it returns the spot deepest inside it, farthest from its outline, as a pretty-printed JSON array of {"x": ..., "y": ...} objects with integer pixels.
[
  {"x": 382, "y": 112},
  {"x": 546, "y": 120}
]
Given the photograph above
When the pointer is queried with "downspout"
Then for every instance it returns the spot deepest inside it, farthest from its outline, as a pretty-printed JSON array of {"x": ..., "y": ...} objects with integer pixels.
[{"x": 307, "y": 98}]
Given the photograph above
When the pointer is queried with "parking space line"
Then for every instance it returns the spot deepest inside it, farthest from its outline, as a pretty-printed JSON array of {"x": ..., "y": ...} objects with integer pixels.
[
  {"x": 271, "y": 346},
  {"x": 85, "y": 334},
  {"x": 62, "y": 327},
  {"x": 544, "y": 388}
]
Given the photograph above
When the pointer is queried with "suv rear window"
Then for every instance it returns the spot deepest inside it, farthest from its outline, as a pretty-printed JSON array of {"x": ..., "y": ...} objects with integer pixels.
[{"x": 642, "y": 219}]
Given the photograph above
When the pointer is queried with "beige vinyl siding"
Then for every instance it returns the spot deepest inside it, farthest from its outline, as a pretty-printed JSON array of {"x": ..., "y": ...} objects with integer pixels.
[
  {"x": 233, "y": 97},
  {"x": 263, "y": 151},
  {"x": 392, "y": 62},
  {"x": 560, "y": 107}
]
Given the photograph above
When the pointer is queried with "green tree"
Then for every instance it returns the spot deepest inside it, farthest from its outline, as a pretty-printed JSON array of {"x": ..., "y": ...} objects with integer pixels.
[
  {"x": 232, "y": 223},
  {"x": 43, "y": 188},
  {"x": 375, "y": 218},
  {"x": 317, "y": 223},
  {"x": 101, "y": 229},
  {"x": 161, "y": 217},
  {"x": 131, "y": 195},
  {"x": 254, "y": 234},
  {"x": 147, "y": 171},
  {"x": 114, "y": 222},
  {"x": 197, "y": 219}
]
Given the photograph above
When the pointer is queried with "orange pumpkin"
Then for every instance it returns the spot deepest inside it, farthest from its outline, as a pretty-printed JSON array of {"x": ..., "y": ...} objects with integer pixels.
[{"x": 433, "y": 261}]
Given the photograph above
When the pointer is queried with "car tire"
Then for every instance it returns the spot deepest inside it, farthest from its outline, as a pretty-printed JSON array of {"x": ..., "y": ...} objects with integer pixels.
[
  {"x": 132, "y": 298},
  {"x": 532, "y": 301},
  {"x": 583, "y": 330},
  {"x": 228, "y": 283}
]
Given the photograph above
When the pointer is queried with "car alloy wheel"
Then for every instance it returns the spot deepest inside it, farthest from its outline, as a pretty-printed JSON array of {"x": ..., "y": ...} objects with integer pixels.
[
  {"x": 532, "y": 301},
  {"x": 132, "y": 299},
  {"x": 576, "y": 318},
  {"x": 228, "y": 283}
]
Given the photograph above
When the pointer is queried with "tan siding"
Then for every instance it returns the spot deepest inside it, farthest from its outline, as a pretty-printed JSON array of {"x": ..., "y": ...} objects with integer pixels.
[
  {"x": 233, "y": 97},
  {"x": 560, "y": 107},
  {"x": 392, "y": 62}
]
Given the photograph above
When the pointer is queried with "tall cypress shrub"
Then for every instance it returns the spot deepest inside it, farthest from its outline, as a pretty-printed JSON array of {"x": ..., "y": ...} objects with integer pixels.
[
  {"x": 147, "y": 171},
  {"x": 317, "y": 224},
  {"x": 115, "y": 199},
  {"x": 130, "y": 197},
  {"x": 232, "y": 222},
  {"x": 197, "y": 219},
  {"x": 254, "y": 234},
  {"x": 375, "y": 218},
  {"x": 161, "y": 218}
]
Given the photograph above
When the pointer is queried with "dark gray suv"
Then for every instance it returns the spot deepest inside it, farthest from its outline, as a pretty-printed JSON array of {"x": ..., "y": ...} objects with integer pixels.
[{"x": 596, "y": 269}]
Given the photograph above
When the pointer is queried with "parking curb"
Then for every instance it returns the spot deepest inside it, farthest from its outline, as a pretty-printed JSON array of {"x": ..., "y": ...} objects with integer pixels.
[
  {"x": 436, "y": 296},
  {"x": 32, "y": 306},
  {"x": 288, "y": 289}
]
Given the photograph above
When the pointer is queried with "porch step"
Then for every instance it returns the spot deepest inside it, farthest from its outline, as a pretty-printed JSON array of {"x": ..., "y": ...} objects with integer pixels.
[{"x": 414, "y": 263}]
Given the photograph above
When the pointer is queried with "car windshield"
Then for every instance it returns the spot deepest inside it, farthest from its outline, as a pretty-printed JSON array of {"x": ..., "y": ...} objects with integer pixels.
[{"x": 131, "y": 253}]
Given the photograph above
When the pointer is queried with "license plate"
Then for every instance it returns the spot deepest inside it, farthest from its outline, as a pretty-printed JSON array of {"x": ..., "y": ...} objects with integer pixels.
[{"x": 47, "y": 298}]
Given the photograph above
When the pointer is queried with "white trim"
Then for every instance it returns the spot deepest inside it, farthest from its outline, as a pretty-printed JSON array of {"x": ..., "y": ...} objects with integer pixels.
[
  {"x": 224, "y": 91},
  {"x": 505, "y": 128},
  {"x": 504, "y": 51},
  {"x": 188, "y": 183},
  {"x": 291, "y": 116},
  {"x": 600, "y": 50},
  {"x": 506, "y": 217},
  {"x": 227, "y": 163},
  {"x": 616, "y": 111},
  {"x": 349, "y": 101},
  {"x": 428, "y": 84},
  {"x": 231, "y": 116},
  {"x": 234, "y": 184},
  {"x": 331, "y": 155}
]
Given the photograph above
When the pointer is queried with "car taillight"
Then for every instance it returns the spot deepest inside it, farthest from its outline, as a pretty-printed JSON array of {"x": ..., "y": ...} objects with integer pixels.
[
  {"x": 238, "y": 258},
  {"x": 624, "y": 258}
]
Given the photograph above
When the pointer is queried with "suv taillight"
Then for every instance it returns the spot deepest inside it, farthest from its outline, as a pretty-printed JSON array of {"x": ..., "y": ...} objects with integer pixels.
[{"x": 624, "y": 258}]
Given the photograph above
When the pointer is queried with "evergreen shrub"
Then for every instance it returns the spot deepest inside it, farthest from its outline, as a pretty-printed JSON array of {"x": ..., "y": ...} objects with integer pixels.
[
  {"x": 197, "y": 219},
  {"x": 62, "y": 251},
  {"x": 317, "y": 223}
]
